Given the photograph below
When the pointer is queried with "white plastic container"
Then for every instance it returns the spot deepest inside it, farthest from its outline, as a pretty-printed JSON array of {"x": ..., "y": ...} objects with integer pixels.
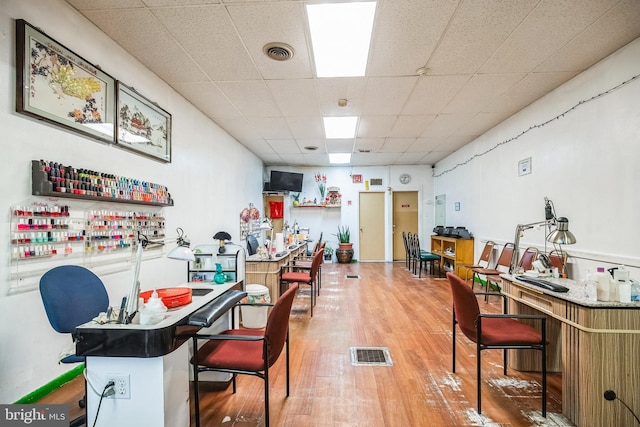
[
  {"x": 604, "y": 286},
  {"x": 255, "y": 317}
]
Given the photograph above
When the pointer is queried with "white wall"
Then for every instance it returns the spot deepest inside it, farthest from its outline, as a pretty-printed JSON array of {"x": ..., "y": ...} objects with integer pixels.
[
  {"x": 586, "y": 162},
  {"x": 327, "y": 220},
  {"x": 204, "y": 179}
]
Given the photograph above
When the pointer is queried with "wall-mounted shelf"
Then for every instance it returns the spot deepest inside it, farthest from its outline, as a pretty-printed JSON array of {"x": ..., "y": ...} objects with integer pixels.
[
  {"x": 95, "y": 186},
  {"x": 317, "y": 206}
]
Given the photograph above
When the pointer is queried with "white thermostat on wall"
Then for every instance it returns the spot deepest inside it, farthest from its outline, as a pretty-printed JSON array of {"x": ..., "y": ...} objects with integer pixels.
[{"x": 405, "y": 178}]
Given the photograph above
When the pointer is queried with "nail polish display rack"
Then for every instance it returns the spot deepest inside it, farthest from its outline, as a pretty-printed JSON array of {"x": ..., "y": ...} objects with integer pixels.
[
  {"x": 51, "y": 229},
  {"x": 47, "y": 232},
  {"x": 54, "y": 179}
]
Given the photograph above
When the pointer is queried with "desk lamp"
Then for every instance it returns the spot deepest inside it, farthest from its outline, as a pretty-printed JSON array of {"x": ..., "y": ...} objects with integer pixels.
[
  {"x": 560, "y": 235},
  {"x": 265, "y": 225},
  {"x": 181, "y": 252},
  {"x": 222, "y": 236}
]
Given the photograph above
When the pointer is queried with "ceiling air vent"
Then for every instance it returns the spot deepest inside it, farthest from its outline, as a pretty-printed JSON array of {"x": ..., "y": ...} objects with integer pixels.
[{"x": 278, "y": 51}]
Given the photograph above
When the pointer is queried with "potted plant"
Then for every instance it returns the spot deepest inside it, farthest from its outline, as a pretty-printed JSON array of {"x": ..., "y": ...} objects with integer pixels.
[
  {"x": 328, "y": 252},
  {"x": 344, "y": 253}
]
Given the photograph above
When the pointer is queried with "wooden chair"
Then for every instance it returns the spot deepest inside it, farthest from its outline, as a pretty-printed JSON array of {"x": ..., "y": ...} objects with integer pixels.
[
  {"x": 483, "y": 261},
  {"x": 423, "y": 257},
  {"x": 526, "y": 263},
  {"x": 305, "y": 262},
  {"x": 302, "y": 276},
  {"x": 558, "y": 260},
  {"x": 246, "y": 351},
  {"x": 502, "y": 265},
  {"x": 494, "y": 331}
]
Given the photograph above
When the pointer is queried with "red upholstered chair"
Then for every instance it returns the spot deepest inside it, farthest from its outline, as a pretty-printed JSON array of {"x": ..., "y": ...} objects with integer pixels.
[
  {"x": 495, "y": 331},
  {"x": 305, "y": 262},
  {"x": 303, "y": 276},
  {"x": 246, "y": 351}
]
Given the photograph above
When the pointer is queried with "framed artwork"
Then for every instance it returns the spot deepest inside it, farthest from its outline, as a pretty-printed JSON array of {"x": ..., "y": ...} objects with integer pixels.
[
  {"x": 55, "y": 85},
  {"x": 143, "y": 127}
]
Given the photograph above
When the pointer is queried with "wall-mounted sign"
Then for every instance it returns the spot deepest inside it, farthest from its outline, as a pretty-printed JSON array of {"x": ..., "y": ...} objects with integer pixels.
[{"x": 356, "y": 179}]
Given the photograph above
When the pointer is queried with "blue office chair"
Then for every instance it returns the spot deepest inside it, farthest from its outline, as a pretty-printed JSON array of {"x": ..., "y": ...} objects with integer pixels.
[{"x": 72, "y": 295}]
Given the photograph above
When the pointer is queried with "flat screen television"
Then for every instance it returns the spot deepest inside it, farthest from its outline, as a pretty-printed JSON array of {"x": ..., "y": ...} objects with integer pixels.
[{"x": 285, "y": 181}]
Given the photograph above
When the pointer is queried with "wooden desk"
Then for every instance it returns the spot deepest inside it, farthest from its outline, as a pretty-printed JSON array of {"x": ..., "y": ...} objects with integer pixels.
[
  {"x": 596, "y": 346},
  {"x": 267, "y": 271}
]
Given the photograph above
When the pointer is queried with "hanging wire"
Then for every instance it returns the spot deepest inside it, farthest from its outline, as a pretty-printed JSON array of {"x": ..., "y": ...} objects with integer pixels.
[{"x": 539, "y": 125}]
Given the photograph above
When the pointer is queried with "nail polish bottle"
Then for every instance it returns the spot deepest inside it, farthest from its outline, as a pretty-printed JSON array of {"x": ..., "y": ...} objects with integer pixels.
[{"x": 68, "y": 249}]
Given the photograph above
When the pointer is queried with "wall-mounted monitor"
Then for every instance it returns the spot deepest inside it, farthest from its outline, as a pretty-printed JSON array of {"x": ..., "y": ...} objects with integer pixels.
[{"x": 285, "y": 181}]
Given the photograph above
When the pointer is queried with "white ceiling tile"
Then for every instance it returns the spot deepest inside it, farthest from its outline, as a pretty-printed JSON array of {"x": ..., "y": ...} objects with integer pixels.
[
  {"x": 259, "y": 24},
  {"x": 411, "y": 158},
  {"x": 381, "y": 159},
  {"x": 260, "y": 147},
  {"x": 293, "y": 159},
  {"x": 551, "y": 25},
  {"x": 84, "y": 5},
  {"x": 136, "y": 30},
  {"x": 330, "y": 90},
  {"x": 273, "y": 160},
  {"x": 480, "y": 91},
  {"x": 240, "y": 129},
  {"x": 435, "y": 156},
  {"x": 445, "y": 124},
  {"x": 271, "y": 127},
  {"x": 405, "y": 34},
  {"x": 375, "y": 126},
  {"x": 410, "y": 126},
  {"x": 372, "y": 144},
  {"x": 477, "y": 29},
  {"x": 306, "y": 127},
  {"x": 219, "y": 41},
  {"x": 397, "y": 145},
  {"x": 620, "y": 25},
  {"x": 527, "y": 91},
  {"x": 480, "y": 123},
  {"x": 295, "y": 97},
  {"x": 173, "y": 3},
  {"x": 208, "y": 99},
  {"x": 432, "y": 93},
  {"x": 339, "y": 145},
  {"x": 387, "y": 95},
  {"x": 284, "y": 146},
  {"x": 311, "y": 142},
  {"x": 251, "y": 98},
  {"x": 425, "y": 144}
]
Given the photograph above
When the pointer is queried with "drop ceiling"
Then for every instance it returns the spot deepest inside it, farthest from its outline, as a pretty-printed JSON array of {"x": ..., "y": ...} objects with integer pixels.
[{"x": 485, "y": 60}]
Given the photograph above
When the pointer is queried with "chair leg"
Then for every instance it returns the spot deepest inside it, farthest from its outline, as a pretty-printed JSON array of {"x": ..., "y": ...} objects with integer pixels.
[
  {"x": 80, "y": 421},
  {"x": 478, "y": 373},
  {"x": 196, "y": 396},
  {"x": 453, "y": 340},
  {"x": 266, "y": 394},
  {"x": 504, "y": 360},
  {"x": 544, "y": 371},
  {"x": 287, "y": 356}
]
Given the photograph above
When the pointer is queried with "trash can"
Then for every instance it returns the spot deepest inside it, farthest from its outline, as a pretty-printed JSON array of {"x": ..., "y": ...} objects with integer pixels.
[{"x": 255, "y": 317}]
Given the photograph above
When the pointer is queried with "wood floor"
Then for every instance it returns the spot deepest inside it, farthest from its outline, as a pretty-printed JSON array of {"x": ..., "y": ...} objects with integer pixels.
[{"x": 385, "y": 307}]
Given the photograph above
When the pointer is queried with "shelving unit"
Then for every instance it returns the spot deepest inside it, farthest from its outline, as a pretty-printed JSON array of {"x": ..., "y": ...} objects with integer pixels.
[
  {"x": 203, "y": 268},
  {"x": 453, "y": 253}
]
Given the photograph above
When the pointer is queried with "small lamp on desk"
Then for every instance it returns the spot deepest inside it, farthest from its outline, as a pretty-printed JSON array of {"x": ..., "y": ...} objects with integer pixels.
[
  {"x": 267, "y": 225},
  {"x": 558, "y": 236},
  {"x": 222, "y": 236},
  {"x": 181, "y": 252}
]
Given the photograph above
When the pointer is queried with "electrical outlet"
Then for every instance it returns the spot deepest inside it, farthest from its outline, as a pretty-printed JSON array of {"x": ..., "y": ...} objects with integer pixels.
[{"x": 122, "y": 386}]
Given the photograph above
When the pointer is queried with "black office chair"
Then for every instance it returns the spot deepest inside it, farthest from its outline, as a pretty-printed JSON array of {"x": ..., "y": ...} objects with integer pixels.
[
  {"x": 252, "y": 244},
  {"x": 72, "y": 295}
]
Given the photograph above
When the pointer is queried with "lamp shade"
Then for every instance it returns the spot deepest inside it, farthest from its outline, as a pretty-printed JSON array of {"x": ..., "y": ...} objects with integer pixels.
[
  {"x": 222, "y": 235},
  {"x": 562, "y": 235},
  {"x": 181, "y": 253}
]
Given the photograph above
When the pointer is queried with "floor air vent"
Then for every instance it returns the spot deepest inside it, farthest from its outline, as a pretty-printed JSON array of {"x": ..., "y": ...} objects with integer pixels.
[
  {"x": 370, "y": 356},
  {"x": 352, "y": 276}
]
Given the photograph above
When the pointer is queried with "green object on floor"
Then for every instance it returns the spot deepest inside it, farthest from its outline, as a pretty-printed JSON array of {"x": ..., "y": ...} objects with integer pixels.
[{"x": 52, "y": 385}]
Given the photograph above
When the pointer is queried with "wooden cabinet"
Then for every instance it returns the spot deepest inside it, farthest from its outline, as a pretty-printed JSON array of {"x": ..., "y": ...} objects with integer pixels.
[{"x": 453, "y": 253}]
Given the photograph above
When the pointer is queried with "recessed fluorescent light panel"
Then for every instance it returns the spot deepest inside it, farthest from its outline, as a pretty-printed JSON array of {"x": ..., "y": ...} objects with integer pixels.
[
  {"x": 339, "y": 158},
  {"x": 340, "y": 127},
  {"x": 340, "y": 36}
]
